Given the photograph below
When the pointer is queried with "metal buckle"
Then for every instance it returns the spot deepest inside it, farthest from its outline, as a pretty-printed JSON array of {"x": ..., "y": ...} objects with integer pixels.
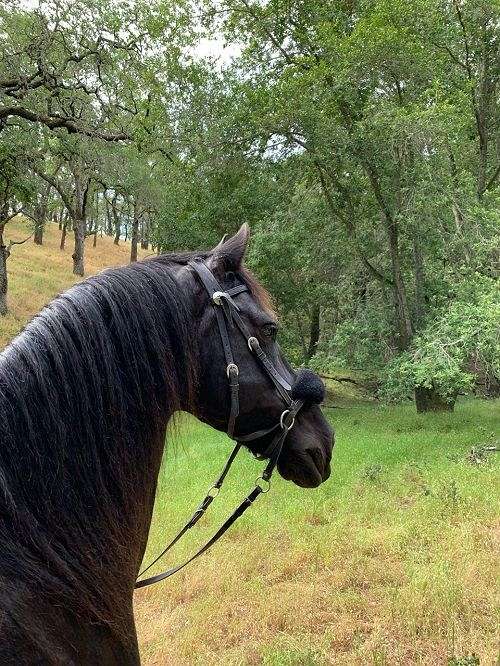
[
  {"x": 258, "y": 484},
  {"x": 282, "y": 418},
  {"x": 217, "y": 296},
  {"x": 252, "y": 342},
  {"x": 232, "y": 367}
]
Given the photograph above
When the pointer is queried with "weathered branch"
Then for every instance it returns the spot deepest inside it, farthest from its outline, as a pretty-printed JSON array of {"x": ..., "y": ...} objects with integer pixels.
[
  {"x": 11, "y": 242},
  {"x": 10, "y": 217},
  {"x": 341, "y": 379},
  {"x": 350, "y": 230},
  {"x": 60, "y": 122}
]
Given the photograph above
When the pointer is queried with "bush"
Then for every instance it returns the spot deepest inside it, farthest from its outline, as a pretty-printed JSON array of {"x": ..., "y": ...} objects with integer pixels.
[{"x": 439, "y": 358}]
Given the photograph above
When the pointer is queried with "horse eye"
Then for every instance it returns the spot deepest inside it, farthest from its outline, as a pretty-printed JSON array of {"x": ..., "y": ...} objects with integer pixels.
[{"x": 270, "y": 331}]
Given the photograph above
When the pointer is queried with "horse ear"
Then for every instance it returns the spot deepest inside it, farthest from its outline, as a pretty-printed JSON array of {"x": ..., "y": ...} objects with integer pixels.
[
  {"x": 220, "y": 243},
  {"x": 228, "y": 254}
]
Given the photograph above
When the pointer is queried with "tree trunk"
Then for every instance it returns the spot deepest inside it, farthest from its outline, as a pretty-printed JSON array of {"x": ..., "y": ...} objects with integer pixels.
[
  {"x": 82, "y": 185},
  {"x": 63, "y": 233},
  {"x": 40, "y": 214},
  {"x": 314, "y": 331},
  {"x": 4, "y": 255},
  {"x": 78, "y": 255},
  {"x": 428, "y": 400},
  {"x": 38, "y": 235},
  {"x": 419, "y": 280},
  {"x": 145, "y": 232},
  {"x": 460, "y": 225},
  {"x": 117, "y": 221},
  {"x": 484, "y": 105},
  {"x": 135, "y": 232},
  {"x": 109, "y": 219},
  {"x": 403, "y": 321},
  {"x": 96, "y": 218}
]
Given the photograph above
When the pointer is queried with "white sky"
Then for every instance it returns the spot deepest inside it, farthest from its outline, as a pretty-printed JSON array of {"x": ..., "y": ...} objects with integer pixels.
[{"x": 215, "y": 48}]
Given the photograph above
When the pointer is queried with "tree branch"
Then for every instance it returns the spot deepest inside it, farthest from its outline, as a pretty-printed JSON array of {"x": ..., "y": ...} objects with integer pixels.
[
  {"x": 350, "y": 230},
  {"x": 52, "y": 181},
  {"x": 11, "y": 242},
  {"x": 60, "y": 122},
  {"x": 10, "y": 217}
]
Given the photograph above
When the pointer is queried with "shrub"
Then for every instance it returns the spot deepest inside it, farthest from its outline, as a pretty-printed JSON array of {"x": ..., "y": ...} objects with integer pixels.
[{"x": 439, "y": 357}]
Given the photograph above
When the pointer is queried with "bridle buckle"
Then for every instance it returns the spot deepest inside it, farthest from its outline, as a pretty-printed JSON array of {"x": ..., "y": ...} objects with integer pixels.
[
  {"x": 252, "y": 343},
  {"x": 217, "y": 297},
  {"x": 231, "y": 369}
]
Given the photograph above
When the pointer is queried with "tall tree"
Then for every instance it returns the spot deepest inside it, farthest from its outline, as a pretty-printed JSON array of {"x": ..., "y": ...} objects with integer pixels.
[
  {"x": 393, "y": 137},
  {"x": 15, "y": 190}
]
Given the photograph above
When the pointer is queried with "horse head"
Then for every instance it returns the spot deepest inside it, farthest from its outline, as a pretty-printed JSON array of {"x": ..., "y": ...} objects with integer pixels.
[{"x": 244, "y": 359}]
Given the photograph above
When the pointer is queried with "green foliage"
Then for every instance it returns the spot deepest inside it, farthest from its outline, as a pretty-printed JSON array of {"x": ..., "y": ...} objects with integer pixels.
[
  {"x": 440, "y": 356},
  {"x": 16, "y": 186},
  {"x": 202, "y": 204},
  {"x": 359, "y": 141}
]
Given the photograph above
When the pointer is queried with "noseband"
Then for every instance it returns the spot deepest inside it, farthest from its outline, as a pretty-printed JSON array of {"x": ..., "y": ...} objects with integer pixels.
[{"x": 227, "y": 314}]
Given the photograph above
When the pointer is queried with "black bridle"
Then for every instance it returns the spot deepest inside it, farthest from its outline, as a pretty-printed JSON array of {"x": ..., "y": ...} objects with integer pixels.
[{"x": 227, "y": 313}]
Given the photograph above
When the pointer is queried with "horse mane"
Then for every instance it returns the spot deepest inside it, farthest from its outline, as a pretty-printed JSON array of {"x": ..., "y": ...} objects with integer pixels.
[{"x": 84, "y": 390}]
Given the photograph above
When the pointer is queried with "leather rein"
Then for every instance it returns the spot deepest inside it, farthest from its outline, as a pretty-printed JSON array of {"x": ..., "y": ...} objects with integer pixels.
[{"x": 227, "y": 313}]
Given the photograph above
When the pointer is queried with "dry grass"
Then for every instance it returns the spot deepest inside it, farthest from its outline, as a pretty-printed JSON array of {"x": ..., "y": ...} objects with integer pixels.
[
  {"x": 394, "y": 561},
  {"x": 37, "y": 273}
]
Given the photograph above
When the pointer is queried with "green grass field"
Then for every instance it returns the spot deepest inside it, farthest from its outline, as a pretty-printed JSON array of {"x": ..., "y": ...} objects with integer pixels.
[{"x": 391, "y": 561}]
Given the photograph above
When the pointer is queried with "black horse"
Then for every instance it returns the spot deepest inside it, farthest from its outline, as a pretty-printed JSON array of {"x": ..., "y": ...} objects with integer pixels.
[{"x": 86, "y": 392}]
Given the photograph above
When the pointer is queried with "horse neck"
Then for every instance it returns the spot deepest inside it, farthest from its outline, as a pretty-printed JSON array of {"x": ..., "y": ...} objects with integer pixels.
[{"x": 82, "y": 430}]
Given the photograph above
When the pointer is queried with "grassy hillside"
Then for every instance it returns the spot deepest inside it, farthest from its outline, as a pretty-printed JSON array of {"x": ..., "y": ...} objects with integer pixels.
[
  {"x": 391, "y": 562},
  {"x": 37, "y": 273}
]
